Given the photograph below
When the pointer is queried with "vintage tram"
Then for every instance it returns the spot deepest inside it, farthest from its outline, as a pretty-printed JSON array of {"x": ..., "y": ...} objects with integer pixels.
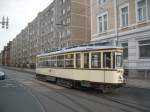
[{"x": 88, "y": 66}]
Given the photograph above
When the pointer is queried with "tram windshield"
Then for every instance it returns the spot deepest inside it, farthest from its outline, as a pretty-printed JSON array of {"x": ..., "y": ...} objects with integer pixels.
[
  {"x": 119, "y": 61},
  {"x": 107, "y": 59}
]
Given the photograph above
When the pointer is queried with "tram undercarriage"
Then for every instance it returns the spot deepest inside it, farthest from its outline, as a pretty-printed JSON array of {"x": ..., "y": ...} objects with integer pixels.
[{"x": 68, "y": 83}]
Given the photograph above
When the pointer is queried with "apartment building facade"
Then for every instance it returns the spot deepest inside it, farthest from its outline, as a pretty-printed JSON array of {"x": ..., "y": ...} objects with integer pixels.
[
  {"x": 125, "y": 23},
  {"x": 64, "y": 23},
  {"x": 46, "y": 40},
  {"x": 73, "y": 22},
  {"x": 25, "y": 48},
  {"x": 6, "y": 58}
]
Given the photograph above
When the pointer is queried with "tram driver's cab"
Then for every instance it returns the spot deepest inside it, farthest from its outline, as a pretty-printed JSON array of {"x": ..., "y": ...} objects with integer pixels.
[{"x": 112, "y": 60}]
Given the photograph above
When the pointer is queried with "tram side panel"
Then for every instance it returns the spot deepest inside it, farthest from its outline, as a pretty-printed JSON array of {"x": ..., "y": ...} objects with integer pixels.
[
  {"x": 112, "y": 77},
  {"x": 72, "y": 74},
  {"x": 99, "y": 76}
]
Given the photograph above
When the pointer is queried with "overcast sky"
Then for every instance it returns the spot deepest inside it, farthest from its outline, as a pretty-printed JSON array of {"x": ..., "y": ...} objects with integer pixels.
[{"x": 20, "y": 13}]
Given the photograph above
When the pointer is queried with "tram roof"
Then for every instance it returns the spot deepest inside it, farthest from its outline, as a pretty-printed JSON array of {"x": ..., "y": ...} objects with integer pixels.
[{"x": 80, "y": 49}]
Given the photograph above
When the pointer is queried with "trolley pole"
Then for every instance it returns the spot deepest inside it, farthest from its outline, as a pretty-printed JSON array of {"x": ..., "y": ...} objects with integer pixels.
[
  {"x": 116, "y": 22},
  {"x": 4, "y": 22}
]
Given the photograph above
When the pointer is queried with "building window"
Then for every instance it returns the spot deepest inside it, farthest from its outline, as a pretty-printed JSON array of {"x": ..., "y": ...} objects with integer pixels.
[
  {"x": 103, "y": 23},
  {"x": 64, "y": 33},
  {"x": 68, "y": 20},
  {"x": 141, "y": 10},
  {"x": 125, "y": 50},
  {"x": 52, "y": 9},
  {"x": 124, "y": 16},
  {"x": 68, "y": 32},
  {"x": 52, "y": 29},
  {"x": 96, "y": 60},
  {"x": 144, "y": 48},
  {"x": 63, "y": 1},
  {"x": 52, "y": 19},
  {"x": 68, "y": 8},
  {"x": 102, "y": 1},
  {"x": 64, "y": 22},
  {"x": 63, "y": 11}
]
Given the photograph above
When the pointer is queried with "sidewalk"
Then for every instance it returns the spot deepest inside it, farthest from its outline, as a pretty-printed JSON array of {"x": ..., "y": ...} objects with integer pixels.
[
  {"x": 139, "y": 83},
  {"x": 32, "y": 71}
]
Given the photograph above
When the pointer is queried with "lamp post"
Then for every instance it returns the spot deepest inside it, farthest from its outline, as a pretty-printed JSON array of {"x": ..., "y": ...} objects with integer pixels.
[{"x": 5, "y": 22}]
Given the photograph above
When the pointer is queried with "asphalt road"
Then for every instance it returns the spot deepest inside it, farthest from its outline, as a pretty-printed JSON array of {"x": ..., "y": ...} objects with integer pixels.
[{"x": 21, "y": 92}]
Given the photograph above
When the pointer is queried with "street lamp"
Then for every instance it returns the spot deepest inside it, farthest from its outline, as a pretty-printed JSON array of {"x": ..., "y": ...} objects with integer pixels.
[{"x": 5, "y": 22}]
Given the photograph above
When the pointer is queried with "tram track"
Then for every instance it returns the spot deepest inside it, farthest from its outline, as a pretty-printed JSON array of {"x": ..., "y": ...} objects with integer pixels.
[
  {"x": 37, "y": 99},
  {"x": 76, "y": 94},
  {"x": 35, "y": 94},
  {"x": 127, "y": 102},
  {"x": 132, "y": 106},
  {"x": 67, "y": 97},
  {"x": 141, "y": 109},
  {"x": 56, "y": 101},
  {"x": 128, "y": 106}
]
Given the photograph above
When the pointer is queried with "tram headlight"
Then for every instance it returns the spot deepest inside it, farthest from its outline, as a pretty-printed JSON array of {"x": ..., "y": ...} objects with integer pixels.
[
  {"x": 120, "y": 78},
  {"x": 119, "y": 71}
]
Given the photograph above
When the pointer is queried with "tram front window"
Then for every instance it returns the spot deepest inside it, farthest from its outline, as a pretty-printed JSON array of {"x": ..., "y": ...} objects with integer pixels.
[
  {"x": 107, "y": 60},
  {"x": 119, "y": 61}
]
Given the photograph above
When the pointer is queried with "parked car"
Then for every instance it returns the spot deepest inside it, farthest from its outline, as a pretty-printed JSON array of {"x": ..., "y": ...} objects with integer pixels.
[{"x": 2, "y": 75}]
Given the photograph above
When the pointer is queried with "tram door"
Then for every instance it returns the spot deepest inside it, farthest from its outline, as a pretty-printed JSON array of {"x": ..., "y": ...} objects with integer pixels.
[{"x": 107, "y": 60}]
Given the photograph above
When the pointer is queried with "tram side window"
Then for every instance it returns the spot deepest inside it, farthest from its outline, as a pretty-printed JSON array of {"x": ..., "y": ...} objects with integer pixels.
[
  {"x": 69, "y": 60},
  {"x": 60, "y": 61},
  {"x": 96, "y": 60},
  {"x": 78, "y": 60},
  {"x": 114, "y": 57},
  {"x": 46, "y": 64},
  {"x": 86, "y": 60},
  {"x": 43, "y": 62},
  {"x": 39, "y": 64},
  {"x": 53, "y": 61},
  {"x": 107, "y": 59}
]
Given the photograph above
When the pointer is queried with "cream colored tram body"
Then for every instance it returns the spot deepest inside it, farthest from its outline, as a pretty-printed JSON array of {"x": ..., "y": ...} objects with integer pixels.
[{"x": 90, "y": 66}]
